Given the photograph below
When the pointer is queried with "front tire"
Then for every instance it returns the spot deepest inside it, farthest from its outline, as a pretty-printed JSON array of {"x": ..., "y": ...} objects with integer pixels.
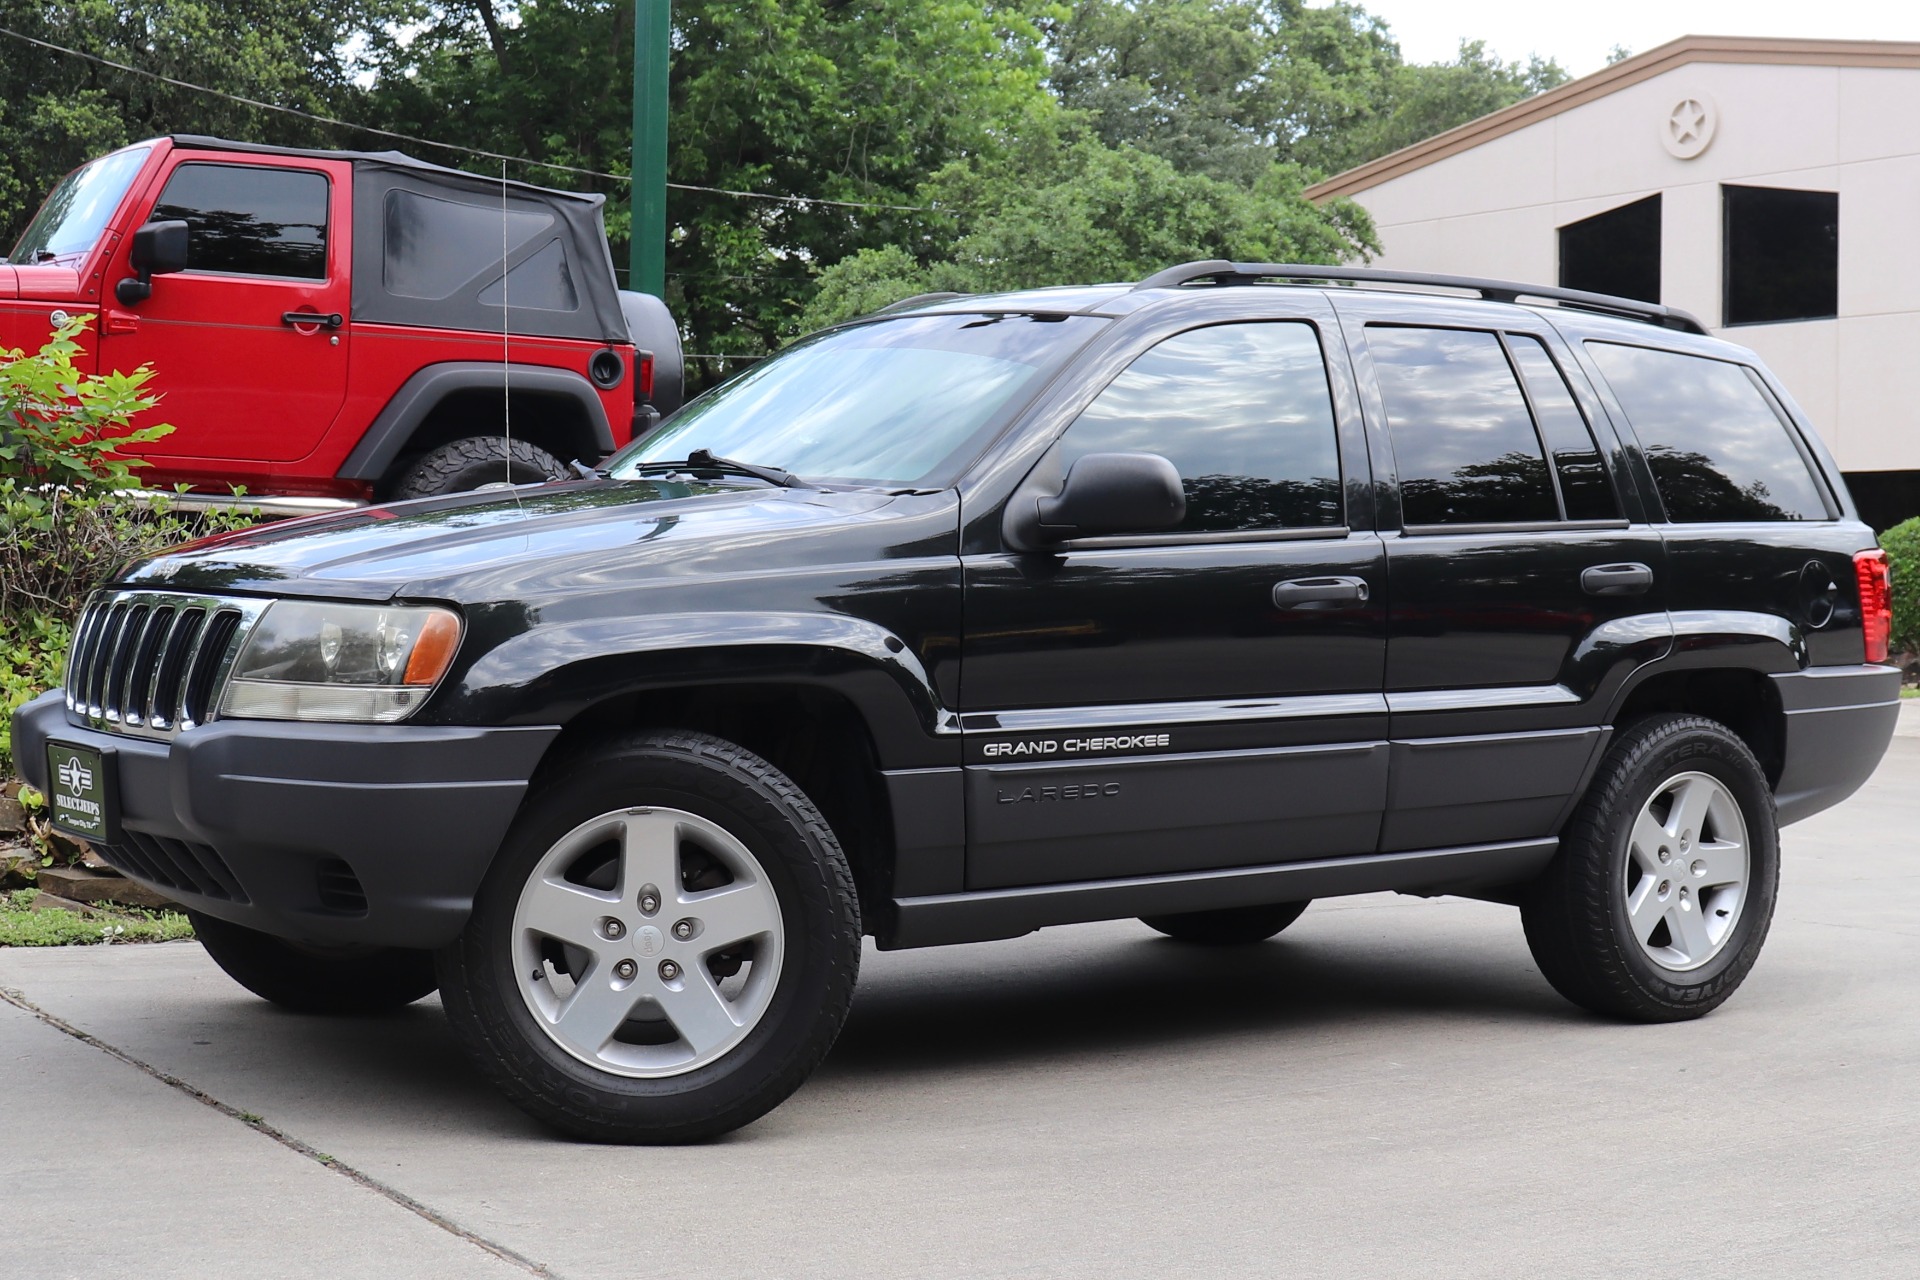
[
  {"x": 665, "y": 947},
  {"x": 316, "y": 979},
  {"x": 1230, "y": 926},
  {"x": 1660, "y": 897}
]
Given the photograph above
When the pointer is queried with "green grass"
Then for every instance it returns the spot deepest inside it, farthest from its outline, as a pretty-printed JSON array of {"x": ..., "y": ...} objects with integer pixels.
[
  {"x": 22, "y": 927},
  {"x": 1910, "y": 690}
]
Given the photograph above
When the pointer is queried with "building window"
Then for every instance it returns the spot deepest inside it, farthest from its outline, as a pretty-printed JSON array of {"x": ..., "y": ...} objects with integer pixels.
[
  {"x": 1615, "y": 252},
  {"x": 1782, "y": 254}
]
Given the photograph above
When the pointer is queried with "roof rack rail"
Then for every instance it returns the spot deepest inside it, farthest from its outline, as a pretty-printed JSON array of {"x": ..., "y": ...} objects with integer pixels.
[
  {"x": 1220, "y": 271},
  {"x": 917, "y": 300}
]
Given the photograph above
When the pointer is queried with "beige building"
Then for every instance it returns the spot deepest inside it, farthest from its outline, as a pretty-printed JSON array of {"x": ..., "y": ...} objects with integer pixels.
[{"x": 1770, "y": 187}]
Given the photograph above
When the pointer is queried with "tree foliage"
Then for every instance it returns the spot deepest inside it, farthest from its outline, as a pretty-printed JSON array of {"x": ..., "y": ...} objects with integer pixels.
[
  {"x": 1017, "y": 141},
  {"x": 57, "y": 112}
]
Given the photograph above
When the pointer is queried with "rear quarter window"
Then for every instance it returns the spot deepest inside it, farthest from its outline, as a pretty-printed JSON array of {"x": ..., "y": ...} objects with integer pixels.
[{"x": 1718, "y": 448}]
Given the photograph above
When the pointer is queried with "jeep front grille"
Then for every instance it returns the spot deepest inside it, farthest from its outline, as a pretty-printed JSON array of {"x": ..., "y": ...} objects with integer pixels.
[{"x": 152, "y": 663}]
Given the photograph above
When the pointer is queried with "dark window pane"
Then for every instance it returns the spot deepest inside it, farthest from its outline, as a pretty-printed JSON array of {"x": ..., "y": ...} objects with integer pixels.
[
  {"x": 544, "y": 282},
  {"x": 1462, "y": 441},
  {"x": 250, "y": 220},
  {"x": 1243, "y": 411},
  {"x": 1583, "y": 475},
  {"x": 1717, "y": 448},
  {"x": 1783, "y": 254},
  {"x": 437, "y": 247},
  {"x": 1615, "y": 252}
]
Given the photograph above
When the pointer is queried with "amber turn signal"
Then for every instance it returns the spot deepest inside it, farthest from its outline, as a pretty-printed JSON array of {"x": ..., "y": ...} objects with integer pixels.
[{"x": 433, "y": 651}]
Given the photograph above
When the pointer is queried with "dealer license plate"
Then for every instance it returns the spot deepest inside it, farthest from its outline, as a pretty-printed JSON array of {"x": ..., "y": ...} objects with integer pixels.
[{"x": 80, "y": 799}]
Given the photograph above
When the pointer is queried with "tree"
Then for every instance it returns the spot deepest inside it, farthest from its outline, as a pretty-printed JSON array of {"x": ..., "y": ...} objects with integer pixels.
[
  {"x": 1066, "y": 208},
  {"x": 58, "y": 111},
  {"x": 818, "y": 99},
  {"x": 1225, "y": 87}
]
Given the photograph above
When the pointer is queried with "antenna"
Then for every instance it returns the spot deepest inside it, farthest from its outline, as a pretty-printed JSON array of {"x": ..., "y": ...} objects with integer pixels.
[{"x": 506, "y": 328}]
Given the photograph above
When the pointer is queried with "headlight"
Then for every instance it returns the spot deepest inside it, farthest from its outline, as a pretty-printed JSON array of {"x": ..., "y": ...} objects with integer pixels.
[{"x": 344, "y": 662}]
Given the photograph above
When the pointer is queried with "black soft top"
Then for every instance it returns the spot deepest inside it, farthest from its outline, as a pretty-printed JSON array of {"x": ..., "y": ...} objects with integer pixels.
[{"x": 442, "y": 248}]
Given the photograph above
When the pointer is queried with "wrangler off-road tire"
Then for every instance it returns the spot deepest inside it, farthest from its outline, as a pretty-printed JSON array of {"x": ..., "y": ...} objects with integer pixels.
[
  {"x": 1579, "y": 915},
  {"x": 467, "y": 464},
  {"x": 622, "y": 846},
  {"x": 1230, "y": 926},
  {"x": 316, "y": 979}
]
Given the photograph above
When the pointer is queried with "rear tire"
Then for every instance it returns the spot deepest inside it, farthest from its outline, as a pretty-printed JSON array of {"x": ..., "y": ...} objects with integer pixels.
[
  {"x": 316, "y": 979},
  {"x": 1230, "y": 926},
  {"x": 464, "y": 465},
  {"x": 1660, "y": 897},
  {"x": 665, "y": 947}
]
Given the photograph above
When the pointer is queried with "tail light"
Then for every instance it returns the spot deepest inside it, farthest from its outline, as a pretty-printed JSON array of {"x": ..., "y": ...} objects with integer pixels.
[
  {"x": 1876, "y": 601},
  {"x": 643, "y": 384}
]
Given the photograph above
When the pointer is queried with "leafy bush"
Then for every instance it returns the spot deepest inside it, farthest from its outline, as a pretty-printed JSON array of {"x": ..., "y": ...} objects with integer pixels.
[
  {"x": 61, "y": 427},
  {"x": 1902, "y": 544}
]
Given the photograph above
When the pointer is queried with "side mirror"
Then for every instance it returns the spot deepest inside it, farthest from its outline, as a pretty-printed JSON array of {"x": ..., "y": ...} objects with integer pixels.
[
  {"x": 158, "y": 249},
  {"x": 1112, "y": 493}
]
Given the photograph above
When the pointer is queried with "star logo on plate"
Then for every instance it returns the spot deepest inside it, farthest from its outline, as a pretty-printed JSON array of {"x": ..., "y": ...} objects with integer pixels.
[{"x": 76, "y": 777}]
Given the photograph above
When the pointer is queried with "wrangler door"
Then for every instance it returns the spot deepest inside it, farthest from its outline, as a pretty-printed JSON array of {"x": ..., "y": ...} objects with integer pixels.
[
  {"x": 249, "y": 343},
  {"x": 1202, "y": 697}
]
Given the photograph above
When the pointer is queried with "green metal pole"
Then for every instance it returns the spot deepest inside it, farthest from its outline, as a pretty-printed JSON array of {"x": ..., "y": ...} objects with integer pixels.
[{"x": 652, "y": 36}]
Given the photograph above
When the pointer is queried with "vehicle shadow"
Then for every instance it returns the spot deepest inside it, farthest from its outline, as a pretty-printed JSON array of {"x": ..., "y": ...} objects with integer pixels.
[
  {"x": 922, "y": 1016},
  {"x": 1155, "y": 993}
]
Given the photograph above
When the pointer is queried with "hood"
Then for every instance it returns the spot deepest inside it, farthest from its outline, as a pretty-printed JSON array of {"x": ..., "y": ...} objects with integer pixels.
[{"x": 461, "y": 547}]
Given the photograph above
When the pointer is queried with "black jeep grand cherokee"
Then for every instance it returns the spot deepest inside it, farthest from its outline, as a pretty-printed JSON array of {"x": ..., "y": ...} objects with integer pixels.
[{"x": 1193, "y": 600}]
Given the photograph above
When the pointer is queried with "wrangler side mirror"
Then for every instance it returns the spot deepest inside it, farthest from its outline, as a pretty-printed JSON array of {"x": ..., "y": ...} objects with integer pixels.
[
  {"x": 1107, "y": 493},
  {"x": 158, "y": 249}
]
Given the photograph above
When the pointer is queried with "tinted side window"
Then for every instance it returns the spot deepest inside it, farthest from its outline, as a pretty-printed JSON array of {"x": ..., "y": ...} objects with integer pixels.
[
  {"x": 1584, "y": 487},
  {"x": 249, "y": 219},
  {"x": 1717, "y": 448},
  {"x": 1243, "y": 411},
  {"x": 1462, "y": 439}
]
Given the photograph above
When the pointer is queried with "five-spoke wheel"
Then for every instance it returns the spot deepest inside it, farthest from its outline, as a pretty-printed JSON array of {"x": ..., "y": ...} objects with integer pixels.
[
  {"x": 648, "y": 942},
  {"x": 664, "y": 948},
  {"x": 1656, "y": 906}
]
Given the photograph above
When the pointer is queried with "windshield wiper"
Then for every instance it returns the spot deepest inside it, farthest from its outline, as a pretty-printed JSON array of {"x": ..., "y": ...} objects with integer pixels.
[{"x": 704, "y": 460}]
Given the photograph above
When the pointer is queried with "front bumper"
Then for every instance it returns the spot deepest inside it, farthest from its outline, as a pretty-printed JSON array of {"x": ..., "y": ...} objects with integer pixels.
[{"x": 336, "y": 834}]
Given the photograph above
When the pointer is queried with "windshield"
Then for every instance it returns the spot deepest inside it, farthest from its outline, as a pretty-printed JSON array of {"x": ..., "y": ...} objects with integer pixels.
[
  {"x": 900, "y": 403},
  {"x": 71, "y": 220}
]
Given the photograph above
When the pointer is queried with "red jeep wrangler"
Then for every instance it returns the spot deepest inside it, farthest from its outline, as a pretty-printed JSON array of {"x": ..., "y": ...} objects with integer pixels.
[{"x": 345, "y": 325}]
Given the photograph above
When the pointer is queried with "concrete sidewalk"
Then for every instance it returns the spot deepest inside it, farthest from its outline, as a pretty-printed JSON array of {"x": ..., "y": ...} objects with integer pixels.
[{"x": 1389, "y": 1089}]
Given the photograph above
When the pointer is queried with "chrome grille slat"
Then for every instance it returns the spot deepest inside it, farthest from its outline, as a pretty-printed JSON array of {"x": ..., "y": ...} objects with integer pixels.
[
  {"x": 151, "y": 663},
  {"x": 163, "y": 701},
  {"x": 83, "y": 637},
  {"x": 131, "y": 627},
  {"x": 145, "y": 664}
]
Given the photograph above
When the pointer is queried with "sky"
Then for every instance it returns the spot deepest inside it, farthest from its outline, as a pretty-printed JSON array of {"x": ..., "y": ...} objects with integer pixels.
[{"x": 1579, "y": 33}]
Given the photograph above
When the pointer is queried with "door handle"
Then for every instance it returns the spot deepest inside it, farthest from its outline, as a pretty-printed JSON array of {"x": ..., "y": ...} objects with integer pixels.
[
  {"x": 1296, "y": 592},
  {"x": 318, "y": 319},
  {"x": 1616, "y": 580}
]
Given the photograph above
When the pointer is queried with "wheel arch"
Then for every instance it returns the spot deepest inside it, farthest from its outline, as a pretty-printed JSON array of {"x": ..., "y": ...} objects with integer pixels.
[
  {"x": 811, "y": 694},
  {"x": 1743, "y": 699},
  {"x": 555, "y": 409}
]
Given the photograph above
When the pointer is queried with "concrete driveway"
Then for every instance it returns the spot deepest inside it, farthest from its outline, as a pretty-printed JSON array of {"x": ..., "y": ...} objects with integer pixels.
[{"x": 1389, "y": 1089}]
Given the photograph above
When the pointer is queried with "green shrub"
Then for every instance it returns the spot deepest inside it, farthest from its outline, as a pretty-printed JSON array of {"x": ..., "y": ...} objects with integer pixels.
[
  {"x": 1902, "y": 544},
  {"x": 61, "y": 427}
]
